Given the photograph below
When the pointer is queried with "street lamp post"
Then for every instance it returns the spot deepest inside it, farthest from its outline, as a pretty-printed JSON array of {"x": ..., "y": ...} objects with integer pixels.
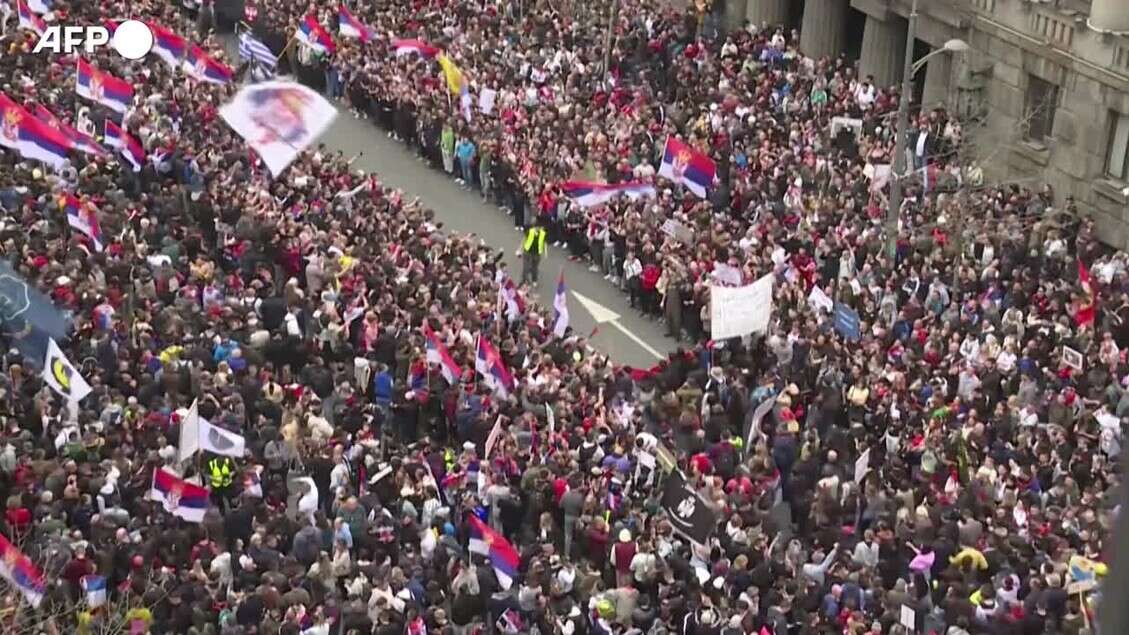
[{"x": 909, "y": 70}]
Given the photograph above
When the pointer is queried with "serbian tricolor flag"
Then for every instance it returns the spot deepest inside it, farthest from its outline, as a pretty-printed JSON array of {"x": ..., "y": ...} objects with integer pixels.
[
  {"x": 489, "y": 364},
  {"x": 40, "y": 6},
  {"x": 686, "y": 166},
  {"x": 28, "y": 19},
  {"x": 82, "y": 142},
  {"x": 438, "y": 354},
  {"x": 515, "y": 304},
  {"x": 201, "y": 66},
  {"x": 414, "y": 47},
  {"x": 95, "y": 587},
  {"x": 113, "y": 135},
  {"x": 103, "y": 88},
  {"x": 311, "y": 33},
  {"x": 168, "y": 45},
  {"x": 1087, "y": 307},
  {"x": 83, "y": 217},
  {"x": 180, "y": 498},
  {"x": 590, "y": 194},
  {"x": 18, "y": 569},
  {"x": 41, "y": 142},
  {"x": 502, "y": 556},
  {"x": 349, "y": 26},
  {"x": 11, "y": 114},
  {"x": 129, "y": 148}
]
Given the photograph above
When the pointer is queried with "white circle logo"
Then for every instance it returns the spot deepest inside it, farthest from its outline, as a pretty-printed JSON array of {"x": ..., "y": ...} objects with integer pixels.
[{"x": 132, "y": 39}]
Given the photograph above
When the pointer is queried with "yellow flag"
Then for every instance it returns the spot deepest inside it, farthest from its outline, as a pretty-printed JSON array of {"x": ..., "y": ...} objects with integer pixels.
[{"x": 455, "y": 80}]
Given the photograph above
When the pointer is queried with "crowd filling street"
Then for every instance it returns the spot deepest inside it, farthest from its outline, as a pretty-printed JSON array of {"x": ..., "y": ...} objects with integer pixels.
[{"x": 946, "y": 462}]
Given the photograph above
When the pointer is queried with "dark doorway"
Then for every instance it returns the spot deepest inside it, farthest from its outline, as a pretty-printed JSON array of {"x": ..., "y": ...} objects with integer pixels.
[
  {"x": 856, "y": 26},
  {"x": 795, "y": 14},
  {"x": 920, "y": 50}
]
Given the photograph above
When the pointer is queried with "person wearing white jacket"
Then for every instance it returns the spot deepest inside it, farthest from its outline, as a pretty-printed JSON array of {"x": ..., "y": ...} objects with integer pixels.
[{"x": 632, "y": 269}]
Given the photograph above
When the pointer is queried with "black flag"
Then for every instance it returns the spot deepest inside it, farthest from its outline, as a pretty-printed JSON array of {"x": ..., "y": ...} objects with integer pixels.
[{"x": 689, "y": 514}]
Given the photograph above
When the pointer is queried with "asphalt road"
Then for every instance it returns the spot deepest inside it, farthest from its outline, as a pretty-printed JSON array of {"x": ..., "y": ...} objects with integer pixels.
[
  {"x": 630, "y": 339},
  {"x": 623, "y": 334}
]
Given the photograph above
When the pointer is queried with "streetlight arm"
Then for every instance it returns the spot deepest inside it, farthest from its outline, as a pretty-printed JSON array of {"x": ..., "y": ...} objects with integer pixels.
[{"x": 924, "y": 60}]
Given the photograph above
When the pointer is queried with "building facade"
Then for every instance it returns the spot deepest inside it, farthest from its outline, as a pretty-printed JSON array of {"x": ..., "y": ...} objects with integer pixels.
[{"x": 1044, "y": 90}]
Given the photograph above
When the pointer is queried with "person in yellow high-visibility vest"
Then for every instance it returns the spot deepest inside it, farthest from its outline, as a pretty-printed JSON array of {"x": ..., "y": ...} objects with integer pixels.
[{"x": 532, "y": 249}]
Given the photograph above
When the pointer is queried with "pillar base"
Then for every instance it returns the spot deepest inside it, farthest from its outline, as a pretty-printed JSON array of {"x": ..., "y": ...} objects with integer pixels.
[{"x": 767, "y": 12}]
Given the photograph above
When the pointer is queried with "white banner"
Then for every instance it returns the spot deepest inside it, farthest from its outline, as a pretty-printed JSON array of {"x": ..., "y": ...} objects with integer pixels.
[
  {"x": 278, "y": 119},
  {"x": 817, "y": 300},
  {"x": 739, "y": 311},
  {"x": 189, "y": 433}
]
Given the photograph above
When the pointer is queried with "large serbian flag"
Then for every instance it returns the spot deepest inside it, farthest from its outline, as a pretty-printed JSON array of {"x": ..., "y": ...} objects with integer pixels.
[
  {"x": 503, "y": 557},
  {"x": 411, "y": 47},
  {"x": 179, "y": 497},
  {"x": 11, "y": 114},
  {"x": 167, "y": 45},
  {"x": 350, "y": 26},
  {"x": 591, "y": 194},
  {"x": 41, "y": 142},
  {"x": 199, "y": 65},
  {"x": 129, "y": 147},
  {"x": 493, "y": 369},
  {"x": 686, "y": 166},
  {"x": 82, "y": 142},
  {"x": 437, "y": 353},
  {"x": 18, "y": 569},
  {"x": 28, "y": 20},
  {"x": 311, "y": 33},
  {"x": 103, "y": 88}
]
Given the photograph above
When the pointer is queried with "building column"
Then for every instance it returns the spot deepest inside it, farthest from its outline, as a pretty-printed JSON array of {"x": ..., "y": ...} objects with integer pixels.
[
  {"x": 938, "y": 77},
  {"x": 770, "y": 12},
  {"x": 821, "y": 34},
  {"x": 735, "y": 14},
  {"x": 883, "y": 51}
]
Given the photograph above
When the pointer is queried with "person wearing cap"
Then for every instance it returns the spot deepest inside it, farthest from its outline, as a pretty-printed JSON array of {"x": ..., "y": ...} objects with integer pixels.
[{"x": 622, "y": 554}]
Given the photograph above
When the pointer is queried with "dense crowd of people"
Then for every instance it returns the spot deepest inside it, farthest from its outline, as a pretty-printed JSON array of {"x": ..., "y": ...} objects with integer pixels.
[{"x": 985, "y": 390}]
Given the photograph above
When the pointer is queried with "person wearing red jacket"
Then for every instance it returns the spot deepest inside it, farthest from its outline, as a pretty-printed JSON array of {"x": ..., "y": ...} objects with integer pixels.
[{"x": 648, "y": 281}]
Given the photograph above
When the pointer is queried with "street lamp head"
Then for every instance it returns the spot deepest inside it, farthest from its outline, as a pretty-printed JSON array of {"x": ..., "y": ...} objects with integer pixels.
[{"x": 956, "y": 46}]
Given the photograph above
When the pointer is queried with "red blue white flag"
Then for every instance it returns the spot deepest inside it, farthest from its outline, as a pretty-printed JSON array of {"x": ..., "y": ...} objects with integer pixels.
[
  {"x": 18, "y": 569},
  {"x": 179, "y": 497},
  {"x": 688, "y": 167},
  {"x": 502, "y": 556},
  {"x": 102, "y": 88},
  {"x": 313, "y": 34},
  {"x": 350, "y": 26},
  {"x": 489, "y": 364}
]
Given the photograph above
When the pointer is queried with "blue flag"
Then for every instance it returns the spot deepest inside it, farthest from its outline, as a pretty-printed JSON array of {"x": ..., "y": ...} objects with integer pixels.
[{"x": 27, "y": 317}]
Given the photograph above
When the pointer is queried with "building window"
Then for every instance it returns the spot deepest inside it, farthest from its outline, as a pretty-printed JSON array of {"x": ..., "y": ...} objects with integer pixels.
[
  {"x": 1042, "y": 98},
  {"x": 1117, "y": 156}
]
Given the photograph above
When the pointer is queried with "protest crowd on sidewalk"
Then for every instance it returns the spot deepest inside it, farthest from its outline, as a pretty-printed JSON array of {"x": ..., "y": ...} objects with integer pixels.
[{"x": 241, "y": 399}]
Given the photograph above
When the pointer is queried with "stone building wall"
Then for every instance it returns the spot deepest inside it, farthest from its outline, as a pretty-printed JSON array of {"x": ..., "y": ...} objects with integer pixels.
[{"x": 1021, "y": 49}]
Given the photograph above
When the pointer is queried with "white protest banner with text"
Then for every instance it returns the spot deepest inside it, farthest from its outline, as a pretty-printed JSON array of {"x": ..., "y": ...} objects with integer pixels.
[{"x": 742, "y": 310}]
